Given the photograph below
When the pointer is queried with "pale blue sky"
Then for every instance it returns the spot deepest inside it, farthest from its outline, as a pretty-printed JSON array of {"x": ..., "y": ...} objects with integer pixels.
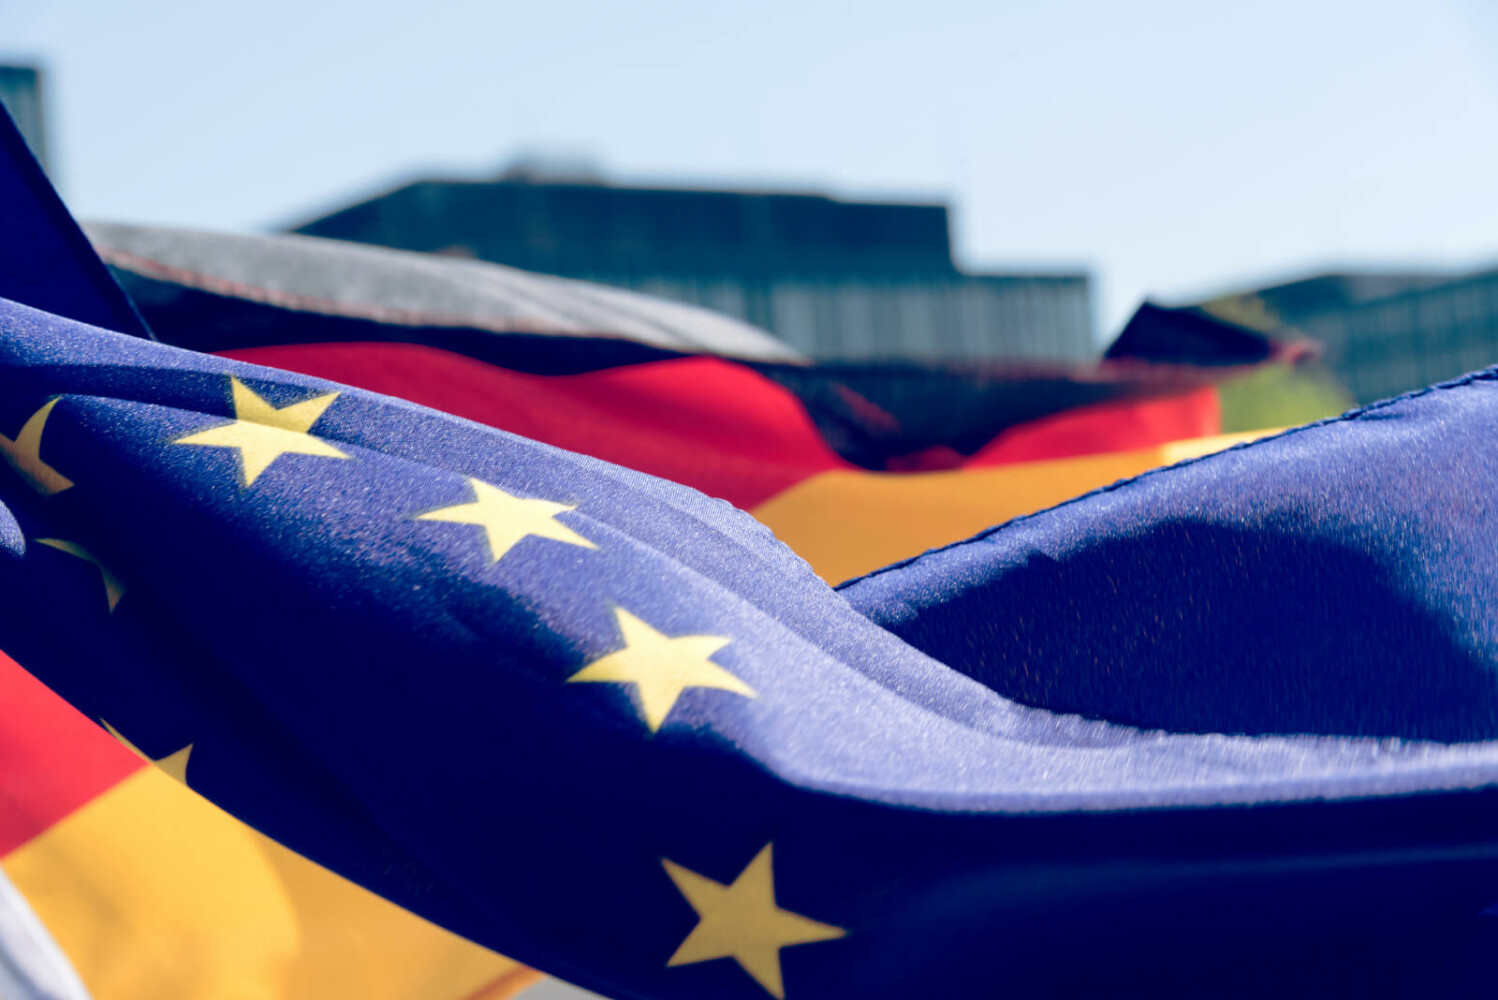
[{"x": 1175, "y": 148}]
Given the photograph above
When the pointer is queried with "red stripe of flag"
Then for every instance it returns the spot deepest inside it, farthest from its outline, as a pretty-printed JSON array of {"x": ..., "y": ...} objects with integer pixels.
[
  {"x": 52, "y": 758},
  {"x": 706, "y": 422}
]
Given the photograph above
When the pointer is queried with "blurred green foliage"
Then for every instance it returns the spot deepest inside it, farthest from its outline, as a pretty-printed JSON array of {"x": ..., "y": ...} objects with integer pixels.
[{"x": 1281, "y": 395}]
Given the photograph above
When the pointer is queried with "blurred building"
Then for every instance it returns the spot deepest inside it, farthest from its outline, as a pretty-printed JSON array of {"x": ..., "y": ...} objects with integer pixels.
[
  {"x": 1384, "y": 333},
  {"x": 21, "y": 93},
  {"x": 835, "y": 279}
]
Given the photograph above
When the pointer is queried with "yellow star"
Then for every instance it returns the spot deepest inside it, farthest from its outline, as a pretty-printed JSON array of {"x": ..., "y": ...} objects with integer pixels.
[
  {"x": 742, "y": 922},
  {"x": 113, "y": 588},
  {"x": 506, "y": 519},
  {"x": 174, "y": 764},
  {"x": 262, "y": 433},
  {"x": 661, "y": 668},
  {"x": 24, "y": 454}
]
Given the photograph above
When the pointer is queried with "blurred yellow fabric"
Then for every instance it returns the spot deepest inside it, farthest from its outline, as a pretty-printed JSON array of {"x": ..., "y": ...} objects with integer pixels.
[
  {"x": 850, "y": 523},
  {"x": 154, "y": 893}
]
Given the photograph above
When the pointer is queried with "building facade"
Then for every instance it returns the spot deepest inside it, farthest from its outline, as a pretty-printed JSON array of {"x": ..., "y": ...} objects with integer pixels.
[
  {"x": 21, "y": 93},
  {"x": 835, "y": 279},
  {"x": 1384, "y": 334}
]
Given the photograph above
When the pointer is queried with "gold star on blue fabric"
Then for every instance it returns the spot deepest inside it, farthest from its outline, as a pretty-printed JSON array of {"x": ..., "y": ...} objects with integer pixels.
[
  {"x": 174, "y": 764},
  {"x": 262, "y": 433},
  {"x": 661, "y": 667},
  {"x": 114, "y": 589},
  {"x": 506, "y": 518},
  {"x": 24, "y": 454},
  {"x": 742, "y": 921}
]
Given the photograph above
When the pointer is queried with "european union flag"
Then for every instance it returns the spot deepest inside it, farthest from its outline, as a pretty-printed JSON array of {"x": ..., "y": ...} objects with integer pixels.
[
  {"x": 1228, "y": 727},
  {"x": 612, "y": 727}
]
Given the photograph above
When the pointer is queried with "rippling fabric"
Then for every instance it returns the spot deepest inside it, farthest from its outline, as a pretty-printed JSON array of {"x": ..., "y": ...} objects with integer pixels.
[
  {"x": 1337, "y": 579},
  {"x": 372, "y": 630}
]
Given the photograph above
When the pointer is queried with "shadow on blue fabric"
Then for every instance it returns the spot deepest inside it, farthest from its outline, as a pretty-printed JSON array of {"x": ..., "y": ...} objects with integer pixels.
[{"x": 1216, "y": 629}]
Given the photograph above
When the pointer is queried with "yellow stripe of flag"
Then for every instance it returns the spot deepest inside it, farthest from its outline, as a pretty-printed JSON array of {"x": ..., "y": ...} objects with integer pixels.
[{"x": 850, "y": 523}]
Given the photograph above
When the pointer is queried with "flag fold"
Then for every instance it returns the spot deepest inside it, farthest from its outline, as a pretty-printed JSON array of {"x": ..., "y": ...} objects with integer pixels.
[{"x": 612, "y": 727}]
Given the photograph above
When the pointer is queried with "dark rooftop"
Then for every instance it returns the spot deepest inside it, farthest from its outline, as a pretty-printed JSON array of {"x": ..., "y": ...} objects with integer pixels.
[{"x": 585, "y": 228}]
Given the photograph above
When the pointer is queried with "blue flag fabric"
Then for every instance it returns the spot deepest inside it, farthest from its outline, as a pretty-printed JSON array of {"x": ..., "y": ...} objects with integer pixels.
[
  {"x": 45, "y": 259},
  {"x": 1340, "y": 579},
  {"x": 611, "y": 727}
]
